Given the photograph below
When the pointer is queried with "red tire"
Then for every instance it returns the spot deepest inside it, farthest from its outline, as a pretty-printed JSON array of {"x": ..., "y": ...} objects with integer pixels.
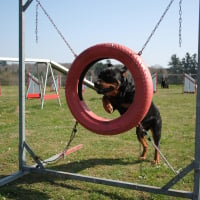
[{"x": 143, "y": 89}]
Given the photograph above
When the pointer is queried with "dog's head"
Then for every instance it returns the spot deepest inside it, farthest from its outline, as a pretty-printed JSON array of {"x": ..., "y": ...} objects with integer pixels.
[{"x": 110, "y": 80}]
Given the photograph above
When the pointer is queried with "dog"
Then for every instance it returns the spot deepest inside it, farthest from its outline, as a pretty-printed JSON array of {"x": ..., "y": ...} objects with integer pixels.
[
  {"x": 118, "y": 92},
  {"x": 164, "y": 83}
]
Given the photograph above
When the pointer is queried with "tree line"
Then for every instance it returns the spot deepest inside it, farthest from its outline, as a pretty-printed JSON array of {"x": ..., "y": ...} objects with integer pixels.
[
  {"x": 187, "y": 64},
  {"x": 173, "y": 74}
]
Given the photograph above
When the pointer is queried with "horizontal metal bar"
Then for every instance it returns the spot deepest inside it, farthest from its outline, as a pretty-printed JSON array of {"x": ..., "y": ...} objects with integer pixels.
[
  {"x": 115, "y": 183},
  {"x": 12, "y": 177},
  {"x": 54, "y": 65},
  {"x": 27, "y": 60}
]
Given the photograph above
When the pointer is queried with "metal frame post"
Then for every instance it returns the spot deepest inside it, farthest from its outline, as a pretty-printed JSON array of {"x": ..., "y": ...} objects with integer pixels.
[
  {"x": 22, "y": 159},
  {"x": 197, "y": 137},
  {"x": 21, "y": 87}
]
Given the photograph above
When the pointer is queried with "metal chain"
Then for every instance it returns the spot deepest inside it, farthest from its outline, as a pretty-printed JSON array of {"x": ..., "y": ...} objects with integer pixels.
[
  {"x": 156, "y": 27},
  {"x": 180, "y": 23},
  {"x": 54, "y": 25},
  {"x": 161, "y": 154},
  {"x": 73, "y": 134},
  {"x": 62, "y": 155}
]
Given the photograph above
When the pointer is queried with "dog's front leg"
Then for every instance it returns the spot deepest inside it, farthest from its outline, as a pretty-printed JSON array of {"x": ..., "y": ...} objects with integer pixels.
[{"x": 107, "y": 105}]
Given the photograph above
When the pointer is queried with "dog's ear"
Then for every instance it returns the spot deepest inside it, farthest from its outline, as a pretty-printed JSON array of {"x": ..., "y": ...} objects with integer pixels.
[
  {"x": 109, "y": 65},
  {"x": 123, "y": 71}
]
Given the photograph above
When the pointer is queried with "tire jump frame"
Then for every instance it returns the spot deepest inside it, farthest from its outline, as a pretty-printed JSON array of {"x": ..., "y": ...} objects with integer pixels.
[{"x": 25, "y": 169}]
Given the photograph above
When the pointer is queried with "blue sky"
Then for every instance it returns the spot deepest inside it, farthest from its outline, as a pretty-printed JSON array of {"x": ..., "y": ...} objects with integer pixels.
[{"x": 85, "y": 23}]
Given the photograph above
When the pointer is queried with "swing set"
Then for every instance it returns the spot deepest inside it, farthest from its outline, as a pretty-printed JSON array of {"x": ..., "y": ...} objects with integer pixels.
[
  {"x": 91, "y": 121},
  {"x": 37, "y": 89}
]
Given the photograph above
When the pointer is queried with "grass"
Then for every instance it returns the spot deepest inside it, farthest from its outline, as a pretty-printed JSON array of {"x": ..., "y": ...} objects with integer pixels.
[{"x": 113, "y": 157}]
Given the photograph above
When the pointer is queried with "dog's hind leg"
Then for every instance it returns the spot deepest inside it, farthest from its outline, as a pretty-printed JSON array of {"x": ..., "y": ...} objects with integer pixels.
[
  {"x": 142, "y": 140},
  {"x": 156, "y": 137}
]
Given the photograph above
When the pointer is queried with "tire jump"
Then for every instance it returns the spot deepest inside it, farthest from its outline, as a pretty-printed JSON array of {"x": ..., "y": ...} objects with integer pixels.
[{"x": 143, "y": 89}]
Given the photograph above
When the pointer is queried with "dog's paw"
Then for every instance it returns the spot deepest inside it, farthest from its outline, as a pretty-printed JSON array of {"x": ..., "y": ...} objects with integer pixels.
[
  {"x": 142, "y": 158},
  {"x": 156, "y": 162},
  {"x": 107, "y": 105},
  {"x": 108, "y": 108}
]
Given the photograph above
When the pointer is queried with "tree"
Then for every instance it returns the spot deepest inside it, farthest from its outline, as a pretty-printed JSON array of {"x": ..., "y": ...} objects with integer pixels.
[
  {"x": 194, "y": 64},
  {"x": 175, "y": 63},
  {"x": 186, "y": 62},
  {"x": 189, "y": 63}
]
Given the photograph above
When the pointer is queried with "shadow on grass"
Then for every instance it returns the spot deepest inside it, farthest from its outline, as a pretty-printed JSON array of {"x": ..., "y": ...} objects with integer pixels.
[
  {"x": 75, "y": 167},
  {"x": 20, "y": 189},
  {"x": 16, "y": 190},
  {"x": 24, "y": 188}
]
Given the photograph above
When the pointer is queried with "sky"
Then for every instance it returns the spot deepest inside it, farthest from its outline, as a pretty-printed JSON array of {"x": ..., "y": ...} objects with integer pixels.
[{"x": 85, "y": 23}]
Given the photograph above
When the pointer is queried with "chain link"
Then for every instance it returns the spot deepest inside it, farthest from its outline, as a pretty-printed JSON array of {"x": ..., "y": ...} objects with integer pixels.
[
  {"x": 180, "y": 23},
  {"x": 73, "y": 134},
  {"x": 145, "y": 44},
  {"x": 54, "y": 25},
  {"x": 156, "y": 27},
  {"x": 62, "y": 155}
]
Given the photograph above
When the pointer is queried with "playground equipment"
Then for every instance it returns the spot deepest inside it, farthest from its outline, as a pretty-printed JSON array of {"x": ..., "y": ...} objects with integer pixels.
[
  {"x": 54, "y": 65},
  {"x": 189, "y": 84},
  {"x": 34, "y": 87},
  {"x": 55, "y": 85},
  {"x": 154, "y": 80},
  {"x": 50, "y": 96},
  {"x": 24, "y": 169}
]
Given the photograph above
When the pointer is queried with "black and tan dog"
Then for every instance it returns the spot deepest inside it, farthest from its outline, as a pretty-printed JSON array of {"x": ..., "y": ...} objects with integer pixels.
[{"x": 118, "y": 93}]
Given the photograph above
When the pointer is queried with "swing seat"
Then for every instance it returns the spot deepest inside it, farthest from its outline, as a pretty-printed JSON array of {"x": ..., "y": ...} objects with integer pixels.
[
  {"x": 51, "y": 96},
  {"x": 73, "y": 149},
  {"x": 60, "y": 155},
  {"x": 33, "y": 96}
]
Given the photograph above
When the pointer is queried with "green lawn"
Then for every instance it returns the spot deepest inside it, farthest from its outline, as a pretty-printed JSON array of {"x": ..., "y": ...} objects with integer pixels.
[{"x": 112, "y": 157}]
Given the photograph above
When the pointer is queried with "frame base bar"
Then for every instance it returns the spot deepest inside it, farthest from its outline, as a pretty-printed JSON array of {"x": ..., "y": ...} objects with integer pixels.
[
  {"x": 179, "y": 176},
  {"x": 114, "y": 183},
  {"x": 12, "y": 177}
]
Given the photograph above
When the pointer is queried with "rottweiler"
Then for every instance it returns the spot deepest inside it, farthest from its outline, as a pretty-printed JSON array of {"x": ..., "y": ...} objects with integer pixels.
[
  {"x": 164, "y": 83},
  {"x": 117, "y": 87}
]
